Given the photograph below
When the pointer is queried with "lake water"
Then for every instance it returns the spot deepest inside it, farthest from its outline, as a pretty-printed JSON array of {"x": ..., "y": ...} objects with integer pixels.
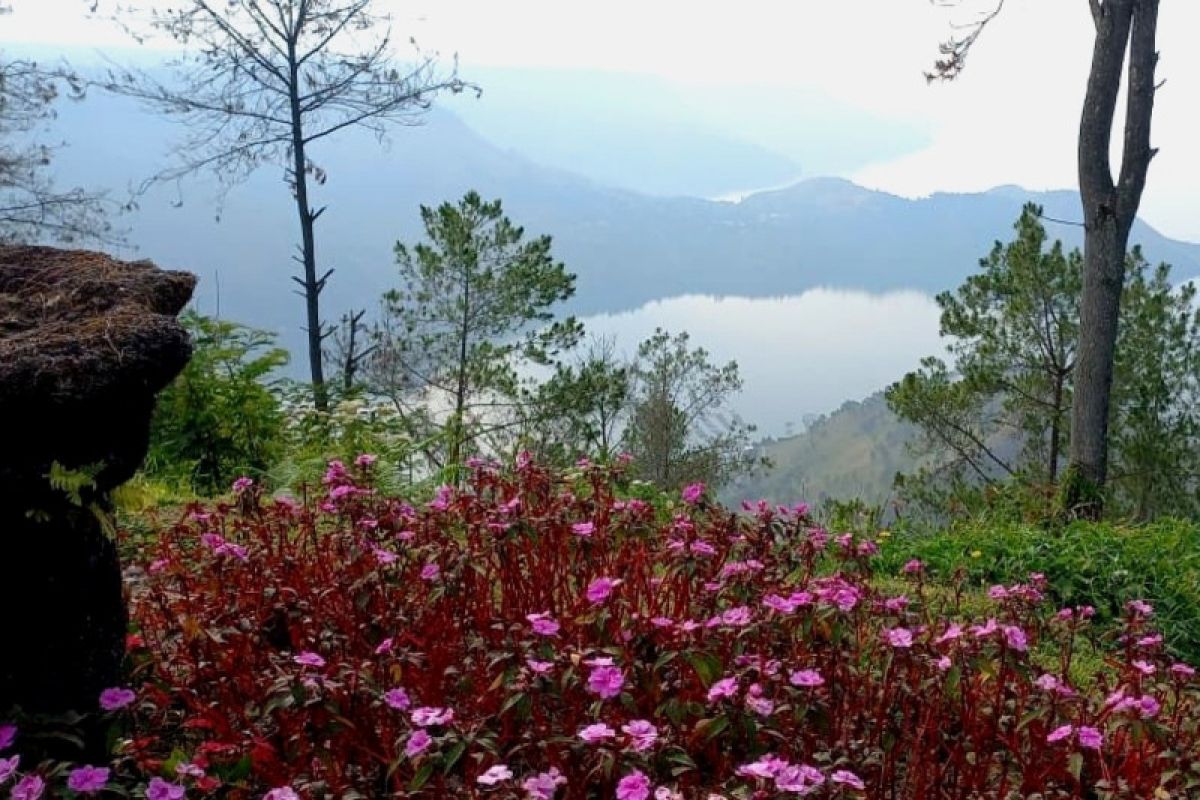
[{"x": 798, "y": 355}]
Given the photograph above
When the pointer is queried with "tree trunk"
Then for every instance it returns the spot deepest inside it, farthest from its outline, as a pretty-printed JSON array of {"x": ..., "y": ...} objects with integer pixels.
[
  {"x": 1109, "y": 209},
  {"x": 310, "y": 283}
]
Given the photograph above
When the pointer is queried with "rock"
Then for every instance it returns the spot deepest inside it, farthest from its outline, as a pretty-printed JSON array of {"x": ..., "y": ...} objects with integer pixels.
[{"x": 86, "y": 342}]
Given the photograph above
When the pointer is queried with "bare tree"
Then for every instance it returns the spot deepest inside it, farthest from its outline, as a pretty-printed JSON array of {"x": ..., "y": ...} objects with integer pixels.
[
  {"x": 31, "y": 208},
  {"x": 262, "y": 81},
  {"x": 1125, "y": 32}
]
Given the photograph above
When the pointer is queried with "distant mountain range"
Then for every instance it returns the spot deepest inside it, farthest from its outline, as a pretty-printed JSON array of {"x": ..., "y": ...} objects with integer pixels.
[{"x": 627, "y": 248}]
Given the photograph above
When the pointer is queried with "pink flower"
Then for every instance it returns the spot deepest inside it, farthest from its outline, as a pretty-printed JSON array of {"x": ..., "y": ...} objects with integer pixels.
[
  {"x": 847, "y": 778},
  {"x": 431, "y": 715},
  {"x": 726, "y": 687},
  {"x": 418, "y": 743},
  {"x": 1140, "y": 608},
  {"x": 1145, "y": 667},
  {"x": 1148, "y": 707},
  {"x": 597, "y": 733},
  {"x": 29, "y": 788},
  {"x": 385, "y": 646},
  {"x": 544, "y": 785},
  {"x": 1047, "y": 683},
  {"x": 807, "y": 678},
  {"x": 384, "y": 557},
  {"x": 543, "y": 624},
  {"x": 430, "y": 572},
  {"x": 912, "y": 567},
  {"x": 953, "y": 632},
  {"x": 634, "y": 786},
  {"x": 898, "y": 637},
  {"x": 164, "y": 790},
  {"x": 188, "y": 769},
  {"x": 584, "y": 529},
  {"x": 692, "y": 493},
  {"x": 943, "y": 663},
  {"x": 242, "y": 484},
  {"x": 539, "y": 667},
  {"x": 1060, "y": 733},
  {"x": 116, "y": 698},
  {"x": 755, "y": 701},
  {"x": 642, "y": 734},
  {"x": 801, "y": 779},
  {"x": 1182, "y": 670},
  {"x": 8, "y": 734},
  {"x": 606, "y": 681},
  {"x": 397, "y": 698},
  {"x": 599, "y": 589},
  {"x": 309, "y": 659},
  {"x": 87, "y": 780},
  {"x": 281, "y": 793},
  {"x": 1014, "y": 636},
  {"x": 8, "y": 766},
  {"x": 495, "y": 774},
  {"x": 1090, "y": 737},
  {"x": 365, "y": 459},
  {"x": 783, "y": 605}
]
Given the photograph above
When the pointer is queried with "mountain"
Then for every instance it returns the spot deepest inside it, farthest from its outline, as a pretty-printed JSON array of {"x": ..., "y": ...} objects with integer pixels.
[
  {"x": 854, "y": 451},
  {"x": 627, "y": 248}
]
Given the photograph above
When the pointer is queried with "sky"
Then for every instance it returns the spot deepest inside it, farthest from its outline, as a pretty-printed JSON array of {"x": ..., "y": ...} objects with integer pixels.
[{"x": 1011, "y": 119}]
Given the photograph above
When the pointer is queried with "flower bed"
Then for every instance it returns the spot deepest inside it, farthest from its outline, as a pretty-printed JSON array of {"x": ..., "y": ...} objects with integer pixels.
[{"x": 534, "y": 635}]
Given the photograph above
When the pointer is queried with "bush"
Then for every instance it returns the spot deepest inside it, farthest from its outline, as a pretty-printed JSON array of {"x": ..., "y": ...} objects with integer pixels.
[
  {"x": 1104, "y": 565},
  {"x": 540, "y": 635}
]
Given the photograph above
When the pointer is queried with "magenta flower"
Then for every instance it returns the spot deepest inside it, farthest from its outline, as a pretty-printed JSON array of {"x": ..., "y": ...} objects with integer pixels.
[
  {"x": 847, "y": 778},
  {"x": 28, "y": 788},
  {"x": 1014, "y": 636},
  {"x": 282, "y": 793},
  {"x": 430, "y": 715},
  {"x": 1140, "y": 608},
  {"x": 543, "y": 624},
  {"x": 755, "y": 701},
  {"x": 898, "y": 637},
  {"x": 365, "y": 459},
  {"x": 1090, "y": 737},
  {"x": 1060, "y": 733},
  {"x": 943, "y": 663},
  {"x": 309, "y": 659},
  {"x": 597, "y": 733},
  {"x": 539, "y": 667},
  {"x": 495, "y": 774},
  {"x": 164, "y": 790},
  {"x": 383, "y": 556},
  {"x": 242, "y": 484},
  {"x": 800, "y": 779},
  {"x": 397, "y": 698},
  {"x": 584, "y": 529},
  {"x": 692, "y": 493},
  {"x": 1180, "y": 670},
  {"x": 8, "y": 766},
  {"x": 87, "y": 780},
  {"x": 385, "y": 646},
  {"x": 599, "y": 589},
  {"x": 8, "y": 734},
  {"x": 642, "y": 734},
  {"x": 188, "y": 769},
  {"x": 430, "y": 572},
  {"x": 807, "y": 678},
  {"x": 606, "y": 681},
  {"x": 544, "y": 785},
  {"x": 1145, "y": 667},
  {"x": 116, "y": 698},
  {"x": 953, "y": 632},
  {"x": 634, "y": 786},
  {"x": 418, "y": 743},
  {"x": 912, "y": 567},
  {"x": 726, "y": 687}
]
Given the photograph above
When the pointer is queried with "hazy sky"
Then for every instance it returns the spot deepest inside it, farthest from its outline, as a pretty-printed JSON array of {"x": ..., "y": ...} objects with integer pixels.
[{"x": 1011, "y": 119}]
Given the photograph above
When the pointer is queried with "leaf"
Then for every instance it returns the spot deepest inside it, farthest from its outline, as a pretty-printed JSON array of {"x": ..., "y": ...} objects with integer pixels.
[
  {"x": 711, "y": 728},
  {"x": 421, "y": 777},
  {"x": 1075, "y": 765},
  {"x": 708, "y": 667},
  {"x": 454, "y": 755}
]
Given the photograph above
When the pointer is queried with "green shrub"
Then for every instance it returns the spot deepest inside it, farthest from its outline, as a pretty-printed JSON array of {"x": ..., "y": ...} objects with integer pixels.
[{"x": 1099, "y": 564}]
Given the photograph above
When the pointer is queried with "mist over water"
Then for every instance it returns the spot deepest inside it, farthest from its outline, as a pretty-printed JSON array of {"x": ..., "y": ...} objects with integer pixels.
[{"x": 798, "y": 355}]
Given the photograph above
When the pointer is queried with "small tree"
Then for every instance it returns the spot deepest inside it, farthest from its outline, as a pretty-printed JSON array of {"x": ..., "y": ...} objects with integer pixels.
[
  {"x": 474, "y": 305},
  {"x": 680, "y": 428},
  {"x": 266, "y": 80},
  {"x": 31, "y": 209},
  {"x": 219, "y": 419}
]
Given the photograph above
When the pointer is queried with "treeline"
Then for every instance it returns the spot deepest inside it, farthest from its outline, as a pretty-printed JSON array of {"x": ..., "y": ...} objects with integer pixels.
[
  {"x": 467, "y": 357},
  {"x": 996, "y": 414}
]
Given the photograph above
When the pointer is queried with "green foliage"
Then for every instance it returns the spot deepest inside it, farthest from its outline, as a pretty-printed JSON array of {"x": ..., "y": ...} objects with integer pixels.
[
  {"x": 680, "y": 428},
  {"x": 74, "y": 483},
  {"x": 1099, "y": 564},
  {"x": 474, "y": 304},
  {"x": 997, "y": 419},
  {"x": 222, "y": 417}
]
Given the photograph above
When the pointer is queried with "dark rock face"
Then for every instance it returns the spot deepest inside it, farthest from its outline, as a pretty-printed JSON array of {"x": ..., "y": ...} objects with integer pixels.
[{"x": 86, "y": 342}]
